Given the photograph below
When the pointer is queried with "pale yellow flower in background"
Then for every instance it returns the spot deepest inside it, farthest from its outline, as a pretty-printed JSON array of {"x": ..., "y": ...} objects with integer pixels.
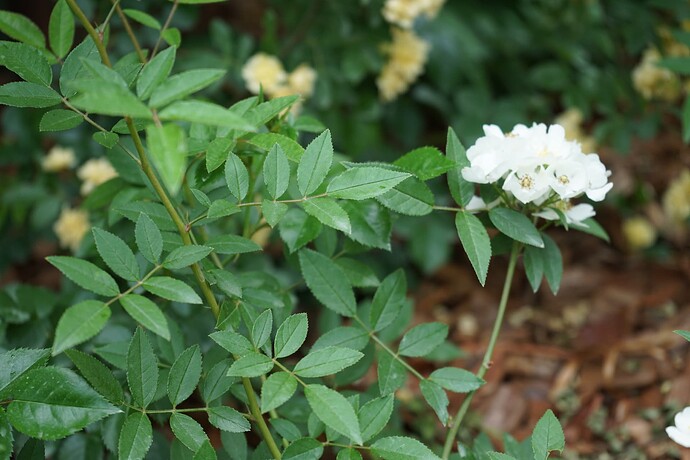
[
  {"x": 639, "y": 233},
  {"x": 403, "y": 13},
  {"x": 302, "y": 80},
  {"x": 654, "y": 82},
  {"x": 95, "y": 172},
  {"x": 71, "y": 227},
  {"x": 676, "y": 199},
  {"x": 264, "y": 70},
  {"x": 407, "y": 55},
  {"x": 59, "y": 159},
  {"x": 433, "y": 7},
  {"x": 571, "y": 121}
]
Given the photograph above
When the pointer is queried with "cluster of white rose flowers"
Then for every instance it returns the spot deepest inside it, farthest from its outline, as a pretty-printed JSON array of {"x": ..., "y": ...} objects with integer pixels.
[{"x": 539, "y": 167}]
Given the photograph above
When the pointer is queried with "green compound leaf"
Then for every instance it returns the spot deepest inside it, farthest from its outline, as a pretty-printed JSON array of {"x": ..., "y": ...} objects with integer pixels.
[
  {"x": 251, "y": 365},
  {"x": 456, "y": 380},
  {"x": 183, "y": 84},
  {"x": 236, "y": 176},
  {"x": 290, "y": 335},
  {"x": 186, "y": 255},
  {"x": 98, "y": 375},
  {"x": 425, "y": 163},
  {"x": 553, "y": 263},
  {"x": 26, "y": 94},
  {"x": 327, "y": 282},
  {"x": 59, "y": 120},
  {"x": 26, "y": 61},
  {"x": 329, "y": 213},
  {"x": 149, "y": 239},
  {"x": 228, "y": 419},
  {"x": 315, "y": 163},
  {"x": 22, "y": 29},
  {"x": 155, "y": 71},
  {"x": 411, "y": 197},
  {"x": 476, "y": 243},
  {"x": 172, "y": 289},
  {"x": 276, "y": 172},
  {"x": 184, "y": 375},
  {"x": 17, "y": 362},
  {"x": 146, "y": 313},
  {"x": 388, "y": 300},
  {"x": 437, "y": 399},
  {"x": 276, "y": 390},
  {"x": 402, "y": 448},
  {"x": 327, "y": 361},
  {"x": 363, "y": 182},
  {"x": 136, "y": 437},
  {"x": 461, "y": 190},
  {"x": 52, "y": 403},
  {"x": 188, "y": 431},
  {"x": 515, "y": 225},
  {"x": 374, "y": 415},
  {"x": 168, "y": 148},
  {"x": 547, "y": 436},
  {"x": 61, "y": 29},
  {"x": 86, "y": 275},
  {"x": 116, "y": 254},
  {"x": 334, "y": 411},
  {"x": 142, "y": 369},
  {"x": 423, "y": 339},
  {"x": 79, "y": 323}
]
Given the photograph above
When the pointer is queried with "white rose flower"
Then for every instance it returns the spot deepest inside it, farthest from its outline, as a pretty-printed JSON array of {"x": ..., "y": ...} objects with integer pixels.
[
  {"x": 569, "y": 178},
  {"x": 528, "y": 183},
  {"x": 489, "y": 157},
  {"x": 680, "y": 433},
  {"x": 573, "y": 215}
]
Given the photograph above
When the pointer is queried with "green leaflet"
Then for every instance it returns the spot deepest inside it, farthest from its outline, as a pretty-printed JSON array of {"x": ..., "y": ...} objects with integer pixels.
[
  {"x": 172, "y": 289},
  {"x": 456, "y": 379},
  {"x": 183, "y": 84},
  {"x": 437, "y": 399},
  {"x": 402, "y": 448},
  {"x": 116, "y": 254},
  {"x": 362, "y": 182},
  {"x": 276, "y": 171},
  {"x": 251, "y": 365},
  {"x": 149, "y": 239},
  {"x": 17, "y": 362},
  {"x": 168, "y": 151},
  {"x": 425, "y": 163},
  {"x": 423, "y": 339},
  {"x": 334, "y": 410},
  {"x": 515, "y": 225},
  {"x": 61, "y": 29},
  {"x": 374, "y": 416},
  {"x": 315, "y": 163},
  {"x": 205, "y": 113},
  {"x": 304, "y": 449},
  {"x": 290, "y": 335},
  {"x": 329, "y": 213},
  {"x": 59, "y": 120},
  {"x": 22, "y": 29},
  {"x": 98, "y": 375},
  {"x": 461, "y": 190},
  {"x": 26, "y": 61},
  {"x": 388, "y": 300},
  {"x": 228, "y": 419},
  {"x": 146, "y": 313},
  {"x": 547, "y": 436},
  {"x": 136, "y": 437},
  {"x": 26, "y": 94},
  {"x": 276, "y": 390},
  {"x": 261, "y": 329},
  {"x": 476, "y": 243},
  {"x": 326, "y": 361},
  {"x": 327, "y": 282},
  {"x": 79, "y": 323},
  {"x": 236, "y": 176},
  {"x": 142, "y": 369},
  {"x": 188, "y": 431},
  {"x": 86, "y": 275},
  {"x": 184, "y": 375}
]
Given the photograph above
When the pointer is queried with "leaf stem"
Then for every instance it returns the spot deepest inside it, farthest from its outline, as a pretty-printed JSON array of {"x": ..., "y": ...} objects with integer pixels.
[
  {"x": 128, "y": 28},
  {"x": 91, "y": 31},
  {"x": 486, "y": 362},
  {"x": 168, "y": 20}
]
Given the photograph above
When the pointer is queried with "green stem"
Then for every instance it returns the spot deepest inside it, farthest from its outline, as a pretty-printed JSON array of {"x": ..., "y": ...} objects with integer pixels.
[
  {"x": 130, "y": 33},
  {"x": 486, "y": 362},
  {"x": 165, "y": 26},
  {"x": 136, "y": 285},
  {"x": 90, "y": 30}
]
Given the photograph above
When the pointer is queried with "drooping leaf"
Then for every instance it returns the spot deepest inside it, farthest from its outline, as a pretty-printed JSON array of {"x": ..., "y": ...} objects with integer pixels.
[
  {"x": 236, "y": 176},
  {"x": 262, "y": 327},
  {"x": 98, "y": 375},
  {"x": 26, "y": 94},
  {"x": 59, "y": 120},
  {"x": 22, "y": 29},
  {"x": 388, "y": 300},
  {"x": 184, "y": 375},
  {"x": 186, "y": 255},
  {"x": 26, "y": 61},
  {"x": 205, "y": 113},
  {"x": 363, "y": 182},
  {"x": 116, "y": 254},
  {"x": 423, "y": 339},
  {"x": 86, "y": 275},
  {"x": 251, "y": 365},
  {"x": 79, "y": 323},
  {"x": 183, "y": 84},
  {"x": 73, "y": 67},
  {"x": 547, "y": 436},
  {"x": 370, "y": 222},
  {"x": 460, "y": 189},
  {"x": 51, "y": 403},
  {"x": 456, "y": 379},
  {"x": 391, "y": 373},
  {"x": 553, "y": 263},
  {"x": 476, "y": 243},
  {"x": 136, "y": 437},
  {"x": 188, "y": 431},
  {"x": 334, "y": 411},
  {"x": 326, "y": 361},
  {"x": 437, "y": 399},
  {"x": 142, "y": 369},
  {"x": 411, "y": 197},
  {"x": 402, "y": 448},
  {"x": 374, "y": 416},
  {"x": 329, "y": 213},
  {"x": 276, "y": 172},
  {"x": 217, "y": 383},
  {"x": 533, "y": 259},
  {"x": 290, "y": 335},
  {"x": 61, "y": 29},
  {"x": 149, "y": 239},
  {"x": 276, "y": 390},
  {"x": 228, "y": 419},
  {"x": 327, "y": 282},
  {"x": 146, "y": 313},
  {"x": 515, "y": 225},
  {"x": 315, "y": 163},
  {"x": 297, "y": 228},
  {"x": 168, "y": 151},
  {"x": 592, "y": 227}
]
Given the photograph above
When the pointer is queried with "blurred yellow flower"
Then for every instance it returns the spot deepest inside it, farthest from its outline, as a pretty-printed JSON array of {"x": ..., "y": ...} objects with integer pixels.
[
  {"x": 403, "y": 13},
  {"x": 676, "y": 199},
  {"x": 655, "y": 82},
  {"x": 264, "y": 70},
  {"x": 58, "y": 159},
  {"x": 407, "y": 55},
  {"x": 571, "y": 121},
  {"x": 71, "y": 227},
  {"x": 302, "y": 80},
  {"x": 95, "y": 172},
  {"x": 639, "y": 233}
]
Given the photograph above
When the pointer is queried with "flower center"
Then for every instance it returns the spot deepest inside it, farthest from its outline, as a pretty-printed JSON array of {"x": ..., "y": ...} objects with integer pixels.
[
  {"x": 526, "y": 182},
  {"x": 543, "y": 153},
  {"x": 563, "y": 179}
]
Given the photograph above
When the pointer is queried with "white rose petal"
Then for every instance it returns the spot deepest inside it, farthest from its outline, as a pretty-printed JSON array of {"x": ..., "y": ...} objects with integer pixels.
[{"x": 680, "y": 433}]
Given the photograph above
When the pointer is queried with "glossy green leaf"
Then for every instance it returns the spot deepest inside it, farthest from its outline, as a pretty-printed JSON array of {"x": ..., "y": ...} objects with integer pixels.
[
  {"x": 362, "y": 182},
  {"x": 326, "y": 361},
  {"x": 290, "y": 335},
  {"x": 437, "y": 399},
  {"x": 204, "y": 113},
  {"x": 21, "y": 28},
  {"x": 142, "y": 369},
  {"x": 460, "y": 189},
  {"x": 185, "y": 256},
  {"x": 233, "y": 342},
  {"x": 327, "y": 282},
  {"x": 144, "y": 19},
  {"x": 374, "y": 416},
  {"x": 149, "y": 239},
  {"x": 26, "y": 61},
  {"x": 98, "y": 375},
  {"x": 146, "y": 313},
  {"x": 533, "y": 259},
  {"x": 402, "y": 448},
  {"x": 425, "y": 163},
  {"x": 52, "y": 403},
  {"x": 184, "y": 375},
  {"x": 411, "y": 197},
  {"x": 183, "y": 84},
  {"x": 136, "y": 437},
  {"x": 297, "y": 228},
  {"x": 228, "y": 419},
  {"x": 515, "y": 225},
  {"x": 79, "y": 323},
  {"x": 168, "y": 151},
  {"x": 329, "y": 213},
  {"x": 553, "y": 263},
  {"x": 61, "y": 29},
  {"x": 172, "y": 289},
  {"x": 315, "y": 163},
  {"x": 345, "y": 336},
  {"x": 232, "y": 244},
  {"x": 304, "y": 449},
  {"x": 276, "y": 172},
  {"x": 188, "y": 431},
  {"x": 86, "y": 275},
  {"x": 547, "y": 436},
  {"x": 59, "y": 120},
  {"x": 456, "y": 380},
  {"x": 334, "y": 411},
  {"x": 423, "y": 339},
  {"x": 391, "y": 373},
  {"x": 476, "y": 243},
  {"x": 251, "y": 365},
  {"x": 388, "y": 300},
  {"x": 276, "y": 390},
  {"x": 26, "y": 94},
  {"x": 16, "y": 363},
  {"x": 116, "y": 254},
  {"x": 236, "y": 176}
]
